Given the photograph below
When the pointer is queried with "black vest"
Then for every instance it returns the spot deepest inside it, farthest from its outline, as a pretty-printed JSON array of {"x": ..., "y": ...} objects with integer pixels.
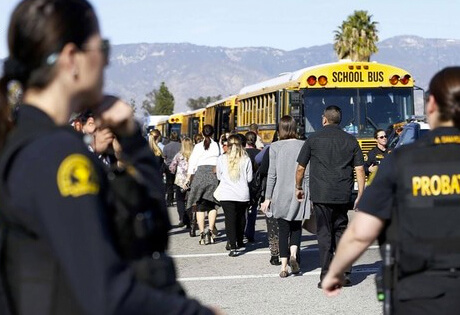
[
  {"x": 31, "y": 279},
  {"x": 426, "y": 221}
]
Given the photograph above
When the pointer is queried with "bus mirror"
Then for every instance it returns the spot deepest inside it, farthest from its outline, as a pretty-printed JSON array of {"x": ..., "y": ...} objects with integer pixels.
[{"x": 420, "y": 97}]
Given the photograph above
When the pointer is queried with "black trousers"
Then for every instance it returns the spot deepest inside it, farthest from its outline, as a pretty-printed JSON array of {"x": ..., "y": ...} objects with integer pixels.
[
  {"x": 181, "y": 204},
  {"x": 235, "y": 221},
  {"x": 331, "y": 221},
  {"x": 290, "y": 233},
  {"x": 170, "y": 177}
]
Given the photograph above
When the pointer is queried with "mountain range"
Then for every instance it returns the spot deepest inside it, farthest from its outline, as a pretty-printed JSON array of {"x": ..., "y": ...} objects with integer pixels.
[{"x": 191, "y": 71}]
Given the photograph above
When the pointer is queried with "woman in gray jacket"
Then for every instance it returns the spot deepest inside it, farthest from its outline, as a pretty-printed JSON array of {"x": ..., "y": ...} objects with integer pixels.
[{"x": 280, "y": 194}]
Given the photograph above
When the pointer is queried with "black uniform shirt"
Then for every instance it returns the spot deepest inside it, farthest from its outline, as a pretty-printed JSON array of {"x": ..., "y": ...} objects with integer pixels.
[
  {"x": 333, "y": 154},
  {"x": 62, "y": 187},
  {"x": 379, "y": 198},
  {"x": 375, "y": 157}
]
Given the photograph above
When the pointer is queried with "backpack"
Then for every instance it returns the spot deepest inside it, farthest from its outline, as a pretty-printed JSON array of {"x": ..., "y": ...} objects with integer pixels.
[{"x": 257, "y": 187}]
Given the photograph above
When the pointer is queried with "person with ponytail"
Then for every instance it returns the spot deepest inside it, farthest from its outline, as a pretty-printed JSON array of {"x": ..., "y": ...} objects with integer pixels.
[
  {"x": 202, "y": 165},
  {"x": 234, "y": 170},
  {"x": 154, "y": 140},
  {"x": 413, "y": 206},
  {"x": 62, "y": 249}
]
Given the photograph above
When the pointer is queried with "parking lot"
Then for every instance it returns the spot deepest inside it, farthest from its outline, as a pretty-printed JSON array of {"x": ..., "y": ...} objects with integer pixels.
[{"x": 248, "y": 284}]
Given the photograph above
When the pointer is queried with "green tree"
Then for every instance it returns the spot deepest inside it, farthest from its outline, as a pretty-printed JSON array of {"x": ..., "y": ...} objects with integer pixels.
[
  {"x": 356, "y": 38},
  {"x": 159, "y": 102},
  {"x": 201, "y": 102}
]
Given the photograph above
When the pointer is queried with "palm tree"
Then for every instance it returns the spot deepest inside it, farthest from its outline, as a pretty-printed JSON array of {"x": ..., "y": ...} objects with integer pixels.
[{"x": 356, "y": 38}]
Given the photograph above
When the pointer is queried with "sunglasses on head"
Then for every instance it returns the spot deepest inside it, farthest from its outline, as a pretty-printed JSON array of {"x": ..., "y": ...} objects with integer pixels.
[{"x": 104, "y": 47}]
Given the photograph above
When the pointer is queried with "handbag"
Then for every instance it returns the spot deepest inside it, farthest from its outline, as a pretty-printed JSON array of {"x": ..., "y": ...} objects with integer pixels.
[
  {"x": 310, "y": 223},
  {"x": 216, "y": 193}
]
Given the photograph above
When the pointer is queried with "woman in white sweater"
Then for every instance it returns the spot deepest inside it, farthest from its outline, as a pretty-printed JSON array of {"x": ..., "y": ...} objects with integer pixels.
[
  {"x": 202, "y": 164},
  {"x": 234, "y": 170}
]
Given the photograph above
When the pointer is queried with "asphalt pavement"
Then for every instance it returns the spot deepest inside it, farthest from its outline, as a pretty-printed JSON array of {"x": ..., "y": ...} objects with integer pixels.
[{"x": 248, "y": 284}]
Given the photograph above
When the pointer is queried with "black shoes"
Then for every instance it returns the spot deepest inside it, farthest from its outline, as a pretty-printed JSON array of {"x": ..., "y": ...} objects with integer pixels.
[
  {"x": 275, "y": 261},
  {"x": 233, "y": 252},
  {"x": 210, "y": 238},
  {"x": 203, "y": 238},
  {"x": 295, "y": 268},
  {"x": 251, "y": 239},
  {"x": 347, "y": 282}
]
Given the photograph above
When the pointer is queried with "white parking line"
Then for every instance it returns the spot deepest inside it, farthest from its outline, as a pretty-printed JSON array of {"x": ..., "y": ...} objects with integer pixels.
[
  {"x": 256, "y": 252},
  {"x": 239, "y": 277}
]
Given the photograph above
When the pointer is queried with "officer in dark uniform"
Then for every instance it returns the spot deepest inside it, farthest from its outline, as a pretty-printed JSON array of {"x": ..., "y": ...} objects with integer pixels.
[
  {"x": 74, "y": 238},
  {"x": 415, "y": 200},
  {"x": 377, "y": 153}
]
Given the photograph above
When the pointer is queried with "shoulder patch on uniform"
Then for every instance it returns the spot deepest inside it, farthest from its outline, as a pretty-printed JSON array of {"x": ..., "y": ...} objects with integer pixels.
[{"x": 76, "y": 177}]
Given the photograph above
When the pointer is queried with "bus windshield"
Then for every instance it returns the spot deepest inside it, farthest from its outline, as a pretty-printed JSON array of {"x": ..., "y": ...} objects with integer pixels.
[{"x": 363, "y": 110}]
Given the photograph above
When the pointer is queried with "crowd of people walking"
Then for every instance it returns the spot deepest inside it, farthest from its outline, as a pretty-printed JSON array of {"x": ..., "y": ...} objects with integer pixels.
[{"x": 289, "y": 180}]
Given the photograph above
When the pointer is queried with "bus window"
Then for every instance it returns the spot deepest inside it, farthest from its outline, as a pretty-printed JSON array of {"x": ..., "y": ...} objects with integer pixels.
[
  {"x": 176, "y": 128},
  {"x": 363, "y": 110}
]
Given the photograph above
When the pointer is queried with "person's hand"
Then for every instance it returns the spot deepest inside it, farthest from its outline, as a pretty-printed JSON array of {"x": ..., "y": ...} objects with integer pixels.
[
  {"x": 264, "y": 205},
  {"x": 103, "y": 138},
  {"x": 299, "y": 194},
  {"x": 216, "y": 310},
  {"x": 355, "y": 205},
  {"x": 372, "y": 168},
  {"x": 116, "y": 115},
  {"x": 332, "y": 284}
]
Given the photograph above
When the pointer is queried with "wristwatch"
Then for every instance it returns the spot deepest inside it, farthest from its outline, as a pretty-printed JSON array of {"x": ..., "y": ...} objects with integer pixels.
[{"x": 298, "y": 187}]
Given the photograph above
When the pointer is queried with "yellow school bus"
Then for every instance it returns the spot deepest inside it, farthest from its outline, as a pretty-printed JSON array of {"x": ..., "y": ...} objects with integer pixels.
[
  {"x": 175, "y": 122},
  {"x": 193, "y": 122},
  {"x": 222, "y": 115},
  {"x": 371, "y": 96},
  {"x": 162, "y": 126}
]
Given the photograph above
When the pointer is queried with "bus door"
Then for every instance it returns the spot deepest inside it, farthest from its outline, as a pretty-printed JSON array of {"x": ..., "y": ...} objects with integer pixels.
[
  {"x": 222, "y": 121},
  {"x": 193, "y": 126},
  {"x": 296, "y": 110},
  {"x": 174, "y": 127}
]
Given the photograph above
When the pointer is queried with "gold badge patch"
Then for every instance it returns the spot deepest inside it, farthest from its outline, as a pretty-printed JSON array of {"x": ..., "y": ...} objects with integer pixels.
[{"x": 76, "y": 176}]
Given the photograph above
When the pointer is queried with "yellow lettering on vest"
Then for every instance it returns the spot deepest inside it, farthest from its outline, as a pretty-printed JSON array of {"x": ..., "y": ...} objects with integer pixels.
[
  {"x": 425, "y": 186},
  {"x": 435, "y": 185},
  {"x": 437, "y": 140},
  {"x": 450, "y": 139},
  {"x": 445, "y": 185},
  {"x": 416, "y": 184},
  {"x": 455, "y": 188}
]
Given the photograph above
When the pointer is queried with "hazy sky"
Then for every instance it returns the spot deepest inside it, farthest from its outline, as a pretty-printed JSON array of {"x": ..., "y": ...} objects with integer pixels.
[{"x": 284, "y": 24}]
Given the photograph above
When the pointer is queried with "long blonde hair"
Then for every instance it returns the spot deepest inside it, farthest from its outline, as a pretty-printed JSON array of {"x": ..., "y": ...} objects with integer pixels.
[
  {"x": 186, "y": 148},
  {"x": 235, "y": 155},
  {"x": 154, "y": 138}
]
